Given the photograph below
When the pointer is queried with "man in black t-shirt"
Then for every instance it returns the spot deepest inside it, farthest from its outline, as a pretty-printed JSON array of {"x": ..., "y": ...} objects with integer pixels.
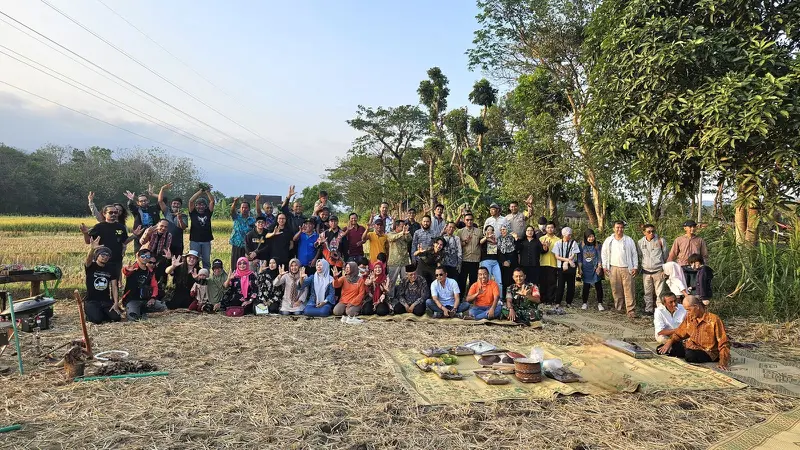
[
  {"x": 102, "y": 286},
  {"x": 255, "y": 243},
  {"x": 144, "y": 214},
  {"x": 200, "y": 233},
  {"x": 113, "y": 235},
  {"x": 141, "y": 288}
]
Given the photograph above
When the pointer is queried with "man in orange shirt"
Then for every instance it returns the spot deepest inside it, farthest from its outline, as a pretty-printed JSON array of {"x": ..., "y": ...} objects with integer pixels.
[
  {"x": 484, "y": 295},
  {"x": 702, "y": 335}
]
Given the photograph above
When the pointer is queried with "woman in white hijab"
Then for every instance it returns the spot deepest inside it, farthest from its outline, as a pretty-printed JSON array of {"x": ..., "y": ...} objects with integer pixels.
[
  {"x": 675, "y": 279},
  {"x": 320, "y": 291}
]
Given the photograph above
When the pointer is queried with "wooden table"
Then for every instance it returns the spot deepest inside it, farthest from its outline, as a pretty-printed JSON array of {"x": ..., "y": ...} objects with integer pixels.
[{"x": 35, "y": 279}]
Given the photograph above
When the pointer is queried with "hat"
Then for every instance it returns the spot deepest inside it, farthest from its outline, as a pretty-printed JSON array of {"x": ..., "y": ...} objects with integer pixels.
[
  {"x": 143, "y": 251},
  {"x": 202, "y": 272},
  {"x": 193, "y": 253},
  {"x": 566, "y": 231},
  {"x": 102, "y": 250},
  {"x": 494, "y": 205},
  {"x": 308, "y": 220},
  {"x": 261, "y": 219},
  {"x": 378, "y": 222},
  {"x": 542, "y": 221},
  {"x": 216, "y": 263},
  {"x": 690, "y": 223},
  {"x": 333, "y": 218},
  {"x": 201, "y": 200}
]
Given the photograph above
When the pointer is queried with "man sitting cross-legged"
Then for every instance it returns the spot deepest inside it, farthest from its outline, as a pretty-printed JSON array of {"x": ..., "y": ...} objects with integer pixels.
[
  {"x": 484, "y": 295},
  {"x": 667, "y": 318},
  {"x": 446, "y": 297},
  {"x": 704, "y": 334}
]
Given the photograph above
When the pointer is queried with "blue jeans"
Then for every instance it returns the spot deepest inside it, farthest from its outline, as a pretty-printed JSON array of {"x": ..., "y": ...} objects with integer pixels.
[
  {"x": 463, "y": 306},
  {"x": 494, "y": 270},
  {"x": 323, "y": 311},
  {"x": 482, "y": 312},
  {"x": 204, "y": 249}
]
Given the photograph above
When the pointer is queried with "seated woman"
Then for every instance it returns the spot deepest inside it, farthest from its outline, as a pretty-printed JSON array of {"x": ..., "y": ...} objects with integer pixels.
[
  {"x": 320, "y": 291},
  {"x": 242, "y": 288},
  {"x": 183, "y": 271},
  {"x": 376, "y": 301},
  {"x": 522, "y": 300},
  {"x": 293, "y": 296},
  {"x": 428, "y": 260},
  {"x": 411, "y": 295},
  {"x": 353, "y": 292},
  {"x": 268, "y": 294}
]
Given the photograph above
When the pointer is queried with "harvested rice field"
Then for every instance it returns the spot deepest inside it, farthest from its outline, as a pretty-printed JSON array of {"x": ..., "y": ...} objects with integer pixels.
[{"x": 274, "y": 382}]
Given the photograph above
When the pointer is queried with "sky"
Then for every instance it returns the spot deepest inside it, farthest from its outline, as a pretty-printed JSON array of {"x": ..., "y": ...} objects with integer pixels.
[{"x": 282, "y": 76}]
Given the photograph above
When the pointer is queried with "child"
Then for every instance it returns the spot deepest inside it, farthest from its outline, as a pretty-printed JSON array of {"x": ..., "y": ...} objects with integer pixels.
[
  {"x": 705, "y": 274},
  {"x": 216, "y": 283},
  {"x": 199, "y": 293}
]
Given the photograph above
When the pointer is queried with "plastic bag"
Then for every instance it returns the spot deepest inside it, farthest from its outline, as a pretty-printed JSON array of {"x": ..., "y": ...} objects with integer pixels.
[{"x": 537, "y": 354}]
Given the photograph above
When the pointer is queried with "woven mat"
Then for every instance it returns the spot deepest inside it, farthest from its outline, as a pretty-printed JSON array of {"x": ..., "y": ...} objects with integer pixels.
[
  {"x": 427, "y": 319},
  {"x": 779, "y": 432},
  {"x": 604, "y": 370},
  {"x": 755, "y": 369}
]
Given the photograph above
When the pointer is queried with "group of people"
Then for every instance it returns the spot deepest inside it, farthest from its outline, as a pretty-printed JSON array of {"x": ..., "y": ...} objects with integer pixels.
[{"x": 287, "y": 263}]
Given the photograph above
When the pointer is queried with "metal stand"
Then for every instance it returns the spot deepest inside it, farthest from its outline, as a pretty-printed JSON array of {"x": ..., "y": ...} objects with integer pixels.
[{"x": 10, "y": 301}]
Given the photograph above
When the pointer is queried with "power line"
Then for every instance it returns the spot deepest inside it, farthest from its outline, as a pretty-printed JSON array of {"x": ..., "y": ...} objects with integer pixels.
[
  {"x": 165, "y": 79},
  {"x": 121, "y": 128},
  {"x": 142, "y": 91},
  {"x": 120, "y": 104}
]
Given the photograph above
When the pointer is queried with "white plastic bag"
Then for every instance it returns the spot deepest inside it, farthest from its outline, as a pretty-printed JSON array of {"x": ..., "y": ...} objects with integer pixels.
[{"x": 537, "y": 354}]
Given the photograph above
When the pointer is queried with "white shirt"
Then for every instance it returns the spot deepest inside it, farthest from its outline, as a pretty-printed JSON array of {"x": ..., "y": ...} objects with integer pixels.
[
  {"x": 620, "y": 253},
  {"x": 664, "y": 320},
  {"x": 446, "y": 293},
  {"x": 496, "y": 223}
]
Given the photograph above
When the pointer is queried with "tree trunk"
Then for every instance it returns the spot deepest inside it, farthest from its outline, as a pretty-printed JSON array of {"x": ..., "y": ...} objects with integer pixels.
[
  {"x": 597, "y": 199},
  {"x": 718, "y": 198},
  {"x": 588, "y": 207},
  {"x": 747, "y": 215},
  {"x": 430, "y": 182},
  {"x": 751, "y": 235},
  {"x": 552, "y": 203},
  {"x": 740, "y": 221}
]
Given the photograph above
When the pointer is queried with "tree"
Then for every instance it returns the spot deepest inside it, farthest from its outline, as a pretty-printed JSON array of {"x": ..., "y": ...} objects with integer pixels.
[
  {"x": 715, "y": 82},
  {"x": 520, "y": 36},
  {"x": 392, "y": 135},
  {"x": 433, "y": 93},
  {"x": 485, "y": 95}
]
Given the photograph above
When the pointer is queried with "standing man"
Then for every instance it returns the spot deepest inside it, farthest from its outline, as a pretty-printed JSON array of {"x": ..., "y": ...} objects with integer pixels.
[
  {"x": 399, "y": 239},
  {"x": 438, "y": 222},
  {"x": 332, "y": 244},
  {"x": 355, "y": 244},
  {"x": 687, "y": 245},
  {"x": 294, "y": 217},
  {"x": 413, "y": 226},
  {"x": 266, "y": 211},
  {"x": 200, "y": 234},
  {"x": 653, "y": 254},
  {"x": 383, "y": 215},
  {"x": 305, "y": 241},
  {"x": 495, "y": 219},
  {"x": 242, "y": 224},
  {"x": 113, "y": 235},
  {"x": 144, "y": 214},
  {"x": 423, "y": 238},
  {"x": 445, "y": 297},
  {"x": 177, "y": 220},
  {"x": 548, "y": 265},
  {"x": 516, "y": 220},
  {"x": 378, "y": 241},
  {"x": 621, "y": 260}
]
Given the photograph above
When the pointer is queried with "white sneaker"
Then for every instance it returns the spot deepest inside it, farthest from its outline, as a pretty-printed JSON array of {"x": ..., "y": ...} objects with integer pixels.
[
  {"x": 584, "y": 306},
  {"x": 345, "y": 319},
  {"x": 600, "y": 307},
  {"x": 354, "y": 321}
]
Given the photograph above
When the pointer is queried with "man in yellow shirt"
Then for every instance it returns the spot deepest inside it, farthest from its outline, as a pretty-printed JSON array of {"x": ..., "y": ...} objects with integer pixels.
[
  {"x": 548, "y": 275},
  {"x": 378, "y": 241}
]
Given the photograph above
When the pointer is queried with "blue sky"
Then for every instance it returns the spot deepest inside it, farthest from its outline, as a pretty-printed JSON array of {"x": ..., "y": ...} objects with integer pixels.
[{"x": 292, "y": 72}]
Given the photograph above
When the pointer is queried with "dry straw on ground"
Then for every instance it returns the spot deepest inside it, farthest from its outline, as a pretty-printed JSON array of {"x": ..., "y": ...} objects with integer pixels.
[{"x": 273, "y": 382}]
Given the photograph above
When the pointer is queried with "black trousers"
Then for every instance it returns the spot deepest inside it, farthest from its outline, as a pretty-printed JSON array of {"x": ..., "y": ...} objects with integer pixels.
[
  {"x": 100, "y": 312},
  {"x": 419, "y": 309},
  {"x": 531, "y": 274},
  {"x": 697, "y": 356},
  {"x": 566, "y": 280},
  {"x": 452, "y": 272},
  {"x": 548, "y": 280},
  {"x": 598, "y": 287},
  {"x": 468, "y": 270},
  {"x": 236, "y": 253},
  {"x": 677, "y": 350}
]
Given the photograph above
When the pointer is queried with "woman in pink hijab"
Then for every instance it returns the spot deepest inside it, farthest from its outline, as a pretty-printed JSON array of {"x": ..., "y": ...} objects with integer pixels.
[{"x": 242, "y": 287}]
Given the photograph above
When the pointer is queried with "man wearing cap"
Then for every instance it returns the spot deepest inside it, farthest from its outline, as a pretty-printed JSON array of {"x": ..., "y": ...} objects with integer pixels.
[
  {"x": 256, "y": 243},
  {"x": 516, "y": 220},
  {"x": 378, "y": 241},
  {"x": 496, "y": 220},
  {"x": 688, "y": 244},
  {"x": 200, "y": 233},
  {"x": 102, "y": 286},
  {"x": 541, "y": 228},
  {"x": 438, "y": 222},
  {"x": 653, "y": 254},
  {"x": 621, "y": 260}
]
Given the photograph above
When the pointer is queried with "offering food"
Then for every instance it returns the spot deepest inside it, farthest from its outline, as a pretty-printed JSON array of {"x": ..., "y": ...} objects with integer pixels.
[
  {"x": 434, "y": 351},
  {"x": 515, "y": 355},
  {"x": 563, "y": 375},
  {"x": 461, "y": 351},
  {"x": 488, "y": 360},
  {"x": 448, "y": 372},
  {"x": 449, "y": 359},
  {"x": 503, "y": 368},
  {"x": 427, "y": 364},
  {"x": 491, "y": 377},
  {"x": 480, "y": 347}
]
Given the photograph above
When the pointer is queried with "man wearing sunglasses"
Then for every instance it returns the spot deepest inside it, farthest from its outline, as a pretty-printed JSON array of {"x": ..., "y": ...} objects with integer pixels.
[
  {"x": 141, "y": 288},
  {"x": 652, "y": 254},
  {"x": 113, "y": 235},
  {"x": 446, "y": 297}
]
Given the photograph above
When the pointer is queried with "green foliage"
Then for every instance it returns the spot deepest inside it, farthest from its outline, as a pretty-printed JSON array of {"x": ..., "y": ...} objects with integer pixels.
[
  {"x": 433, "y": 93},
  {"x": 483, "y": 94}
]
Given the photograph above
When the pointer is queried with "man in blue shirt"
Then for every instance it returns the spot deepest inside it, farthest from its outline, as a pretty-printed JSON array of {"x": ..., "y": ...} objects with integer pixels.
[
  {"x": 446, "y": 297},
  {"x": 304, "y": 241},
  {"x": 242, "y": 224}
]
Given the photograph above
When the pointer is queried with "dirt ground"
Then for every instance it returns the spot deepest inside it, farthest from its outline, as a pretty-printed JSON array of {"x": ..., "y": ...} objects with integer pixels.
[{"x": 274, "y": 382}]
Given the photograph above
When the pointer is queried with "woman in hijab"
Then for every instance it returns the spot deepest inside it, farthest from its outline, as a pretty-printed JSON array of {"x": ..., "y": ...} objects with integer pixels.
[
  {"x": 320, "y": 291},
  {"x": 268, "y": 293},
  {"x": 183, "y": 271},
  {"x": 377, "y": 301},
  {"x": 354, "y": 290},
  {"x": 242, "y": 287},
  {"x": 675, "y": 280},
  {"x": 508, "y": 257},
  {"x": 293, "y": 296},
  {"x": 590, "y": 269}
]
